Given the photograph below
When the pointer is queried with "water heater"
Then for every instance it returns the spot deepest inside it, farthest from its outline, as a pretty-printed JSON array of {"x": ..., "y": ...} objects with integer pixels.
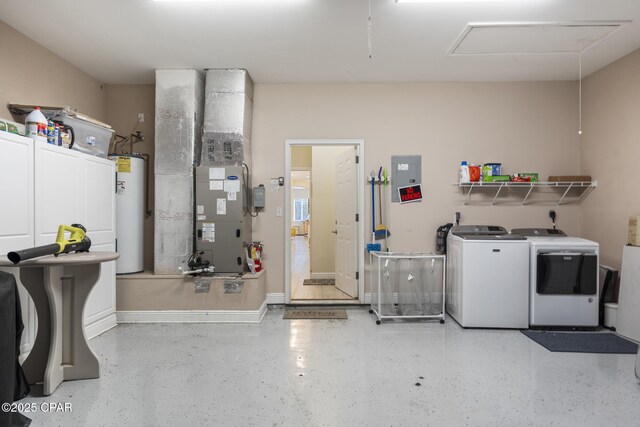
[{"x": 129, "y": 213}]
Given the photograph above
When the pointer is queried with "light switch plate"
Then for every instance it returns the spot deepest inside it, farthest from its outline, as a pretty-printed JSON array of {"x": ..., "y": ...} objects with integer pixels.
[{"x": 278, "y": 211}]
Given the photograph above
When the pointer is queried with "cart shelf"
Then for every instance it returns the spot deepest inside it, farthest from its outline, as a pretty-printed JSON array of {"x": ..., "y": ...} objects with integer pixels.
[{"x": 407, "y": 286}]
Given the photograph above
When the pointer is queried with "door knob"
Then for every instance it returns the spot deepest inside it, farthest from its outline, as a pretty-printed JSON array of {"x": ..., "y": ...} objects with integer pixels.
[{"x": 335, "y": 231}]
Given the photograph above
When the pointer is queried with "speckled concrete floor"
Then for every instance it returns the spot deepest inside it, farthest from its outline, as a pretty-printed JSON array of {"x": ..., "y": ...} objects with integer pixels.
[{"x": 342, "y": 373}]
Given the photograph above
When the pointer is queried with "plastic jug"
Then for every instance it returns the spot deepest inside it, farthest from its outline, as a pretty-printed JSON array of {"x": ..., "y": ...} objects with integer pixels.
[
  {"x": 464, "y": 173},
  {"x": 474, "y": 173},
  {"x": 36, "y": 125}
]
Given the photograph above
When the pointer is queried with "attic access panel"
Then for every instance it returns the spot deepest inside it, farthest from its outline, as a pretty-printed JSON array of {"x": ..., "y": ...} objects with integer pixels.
[{"x": 532, "y": 37}]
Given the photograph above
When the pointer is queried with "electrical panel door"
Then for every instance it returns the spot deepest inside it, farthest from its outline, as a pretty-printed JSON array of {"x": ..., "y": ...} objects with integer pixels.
[{"x": 405, "y": 171}]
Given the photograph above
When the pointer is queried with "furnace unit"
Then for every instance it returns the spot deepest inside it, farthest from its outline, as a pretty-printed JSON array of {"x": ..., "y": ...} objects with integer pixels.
[{"x": 223, "y": 225}]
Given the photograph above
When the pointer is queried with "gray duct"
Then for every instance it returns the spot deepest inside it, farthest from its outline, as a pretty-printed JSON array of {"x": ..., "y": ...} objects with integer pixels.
[
  {"x": 178, "y": 124},
  {"x": 226, "y": 138}
]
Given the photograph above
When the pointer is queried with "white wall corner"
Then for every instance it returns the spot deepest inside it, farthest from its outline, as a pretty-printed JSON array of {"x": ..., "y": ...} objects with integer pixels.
[
  {"x": 101, "y": 326},
  {"x": 367, "y": 298},
  {"x": 275, "y": 298}
]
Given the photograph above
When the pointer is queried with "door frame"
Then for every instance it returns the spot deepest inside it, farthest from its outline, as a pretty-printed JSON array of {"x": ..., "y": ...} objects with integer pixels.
[{"x": 288, "y": 144}]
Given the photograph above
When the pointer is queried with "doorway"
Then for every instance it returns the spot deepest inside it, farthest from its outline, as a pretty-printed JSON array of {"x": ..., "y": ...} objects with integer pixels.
[{"x": 324, "y": 195}]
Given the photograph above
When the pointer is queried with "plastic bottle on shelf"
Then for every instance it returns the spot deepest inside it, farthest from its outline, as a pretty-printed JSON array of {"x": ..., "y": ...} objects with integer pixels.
[
  {"x": 36, "y": 125},
  {"x": 464, "y": 173}
]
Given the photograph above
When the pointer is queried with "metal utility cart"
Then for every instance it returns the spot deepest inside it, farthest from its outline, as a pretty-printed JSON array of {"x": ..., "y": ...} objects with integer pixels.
[{"x": 407, "y": 286}]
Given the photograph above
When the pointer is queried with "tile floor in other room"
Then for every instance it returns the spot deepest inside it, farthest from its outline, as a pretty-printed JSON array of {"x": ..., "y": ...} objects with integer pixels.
[
  {"x": 300, "y": 270},
  {"x": 342, "y": 373}
]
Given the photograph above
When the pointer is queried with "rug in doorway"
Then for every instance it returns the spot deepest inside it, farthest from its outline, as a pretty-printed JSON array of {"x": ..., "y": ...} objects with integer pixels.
[
  {"x": 583, "y": 342},
  {"x": 307, "y": 282},
  {"x": 297, "y": 313}
]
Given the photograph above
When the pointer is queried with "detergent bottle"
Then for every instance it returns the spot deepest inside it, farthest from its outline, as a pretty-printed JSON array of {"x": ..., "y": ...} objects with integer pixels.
[
  {"x": 36, "y": 125},
  {"x": 464, "y": 173}
]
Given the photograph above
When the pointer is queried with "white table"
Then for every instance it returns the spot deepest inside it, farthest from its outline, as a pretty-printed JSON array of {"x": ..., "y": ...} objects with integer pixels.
[{"x": 59, "y": 287}]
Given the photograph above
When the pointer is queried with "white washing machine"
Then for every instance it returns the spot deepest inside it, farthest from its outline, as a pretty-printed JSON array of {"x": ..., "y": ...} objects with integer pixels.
[
  {"x": 563, "y": 279},
  {"x": 487, "y": 277}
]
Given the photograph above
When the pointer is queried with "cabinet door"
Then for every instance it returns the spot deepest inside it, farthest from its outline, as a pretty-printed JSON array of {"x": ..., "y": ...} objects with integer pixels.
[
  {"x": 98, "y": 206},
  {"x": 16, "y": 216},
  {"x": 72, "y": 187},
  {"x": 99, "y": 312},
  {"x": 98, "y": 203},
  {"x": 628, "y": 323},
  {"x": 16, "y": 192},
  {"x": 58, "y": 191}
]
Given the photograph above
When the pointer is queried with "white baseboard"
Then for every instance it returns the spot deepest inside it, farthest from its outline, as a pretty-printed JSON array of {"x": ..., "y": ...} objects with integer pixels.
[
  {"x": 275, "y": 298},
  {"x": 325, "y": 275},
  {"x": 278, "y": 298},
  {"x": 101, "y": 326},
  {"x": 193, "y": 316}
]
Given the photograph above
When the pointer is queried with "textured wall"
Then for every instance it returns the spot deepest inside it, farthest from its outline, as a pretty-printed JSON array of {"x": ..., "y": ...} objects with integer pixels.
[
  {"x": 528, "y": 126},
  {"x": 609, "y": 152},
  {"x": 31, "y": 74}
]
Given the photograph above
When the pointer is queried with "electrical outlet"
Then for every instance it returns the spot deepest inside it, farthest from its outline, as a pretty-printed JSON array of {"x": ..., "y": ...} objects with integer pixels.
[{"x": 141, "y": 117}]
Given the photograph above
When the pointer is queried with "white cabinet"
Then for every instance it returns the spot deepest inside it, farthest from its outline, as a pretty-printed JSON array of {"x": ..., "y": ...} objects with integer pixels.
[
  {"x": 16, "y": 191},
  {"x": 628, "y": 321},
  {"x": 43, "y": 186},
  {"x": 17, "y": 215},
  {"x": 98, "y": 209}
]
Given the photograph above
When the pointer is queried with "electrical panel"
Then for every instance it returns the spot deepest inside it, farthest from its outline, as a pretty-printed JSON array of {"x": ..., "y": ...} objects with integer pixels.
[
  {"x": 405, "y": 171},
  {"x": 223, "y": 225}
]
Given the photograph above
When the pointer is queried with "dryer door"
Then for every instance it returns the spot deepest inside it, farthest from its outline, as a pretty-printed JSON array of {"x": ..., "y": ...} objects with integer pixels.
[{"x": 567, "y": 273}]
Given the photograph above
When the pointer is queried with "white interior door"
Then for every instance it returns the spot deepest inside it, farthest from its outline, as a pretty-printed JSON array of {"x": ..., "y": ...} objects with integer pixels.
[{"x": 346, "y": 209}]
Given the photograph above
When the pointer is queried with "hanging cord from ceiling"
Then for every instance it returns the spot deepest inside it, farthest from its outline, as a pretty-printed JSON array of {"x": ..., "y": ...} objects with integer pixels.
[
  {"x": 369, "y": 25},
  {"x": 580, "y": 92}
]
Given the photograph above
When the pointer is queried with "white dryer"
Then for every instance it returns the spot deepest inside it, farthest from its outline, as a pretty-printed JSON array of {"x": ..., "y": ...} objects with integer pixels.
[
  {"x": 487, "y": 277},
  {"x": 563, "y": 279}
]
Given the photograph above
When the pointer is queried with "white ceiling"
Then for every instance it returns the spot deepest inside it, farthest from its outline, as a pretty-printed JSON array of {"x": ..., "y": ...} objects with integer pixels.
[{"x": 123, "y": 41}]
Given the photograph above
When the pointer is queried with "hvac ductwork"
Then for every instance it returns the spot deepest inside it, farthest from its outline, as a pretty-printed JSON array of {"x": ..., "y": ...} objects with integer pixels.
[
  {"x": 226, "y": 138},
  {"x": 178, "y": 140}
]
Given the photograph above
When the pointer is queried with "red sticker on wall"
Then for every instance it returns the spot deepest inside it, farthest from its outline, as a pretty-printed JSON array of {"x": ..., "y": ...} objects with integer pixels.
[{"x": 412, "y": 193}]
